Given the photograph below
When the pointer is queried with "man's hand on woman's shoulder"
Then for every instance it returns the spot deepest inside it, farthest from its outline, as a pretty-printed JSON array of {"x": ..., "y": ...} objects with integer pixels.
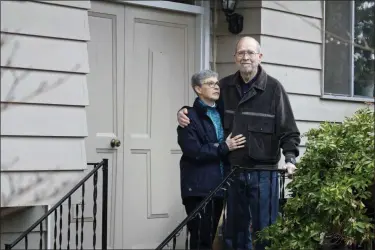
[{"x": 182, "y": 118}]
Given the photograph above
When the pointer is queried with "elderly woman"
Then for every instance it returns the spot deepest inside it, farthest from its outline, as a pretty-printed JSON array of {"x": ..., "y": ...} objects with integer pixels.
[{"x": 203, "y": 162}]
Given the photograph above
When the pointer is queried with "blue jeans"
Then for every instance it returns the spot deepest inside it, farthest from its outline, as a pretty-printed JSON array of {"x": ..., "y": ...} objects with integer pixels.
[{"x": 245, "y": 209}]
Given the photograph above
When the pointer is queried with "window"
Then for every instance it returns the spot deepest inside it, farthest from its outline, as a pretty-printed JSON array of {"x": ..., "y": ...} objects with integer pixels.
[{"x": 349, "y": 48}]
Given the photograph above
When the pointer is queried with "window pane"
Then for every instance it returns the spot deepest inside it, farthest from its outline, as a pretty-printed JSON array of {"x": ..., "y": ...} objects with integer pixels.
[
  {"x": 337, "y": 70},
  {"x": 364, "y": 35}
]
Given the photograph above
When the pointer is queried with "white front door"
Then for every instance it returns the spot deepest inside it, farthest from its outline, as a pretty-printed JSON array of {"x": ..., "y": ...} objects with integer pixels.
[{"x": 141, "y": 61}]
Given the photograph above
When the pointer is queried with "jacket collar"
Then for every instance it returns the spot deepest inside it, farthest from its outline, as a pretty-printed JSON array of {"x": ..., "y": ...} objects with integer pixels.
[
  {"x": 200, "y": 107},
  {"x": 260, "y": 83}
]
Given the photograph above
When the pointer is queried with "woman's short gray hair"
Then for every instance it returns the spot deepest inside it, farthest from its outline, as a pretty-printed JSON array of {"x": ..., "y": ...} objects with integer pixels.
[{"x": 198, "y": 78}]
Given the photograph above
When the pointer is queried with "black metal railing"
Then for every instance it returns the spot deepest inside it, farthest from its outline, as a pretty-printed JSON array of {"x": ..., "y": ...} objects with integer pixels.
[
  {"x": 228, "y": 182},
  {"x": 78, "y": 217}
]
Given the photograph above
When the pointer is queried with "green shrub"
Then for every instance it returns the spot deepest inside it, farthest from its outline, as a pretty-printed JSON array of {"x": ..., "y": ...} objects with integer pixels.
[{"x": 330, "y": 187}]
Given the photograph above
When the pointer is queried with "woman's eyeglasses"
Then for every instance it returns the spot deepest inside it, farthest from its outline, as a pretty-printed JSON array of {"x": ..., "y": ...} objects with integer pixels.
[{"x": 212, "y": 84}]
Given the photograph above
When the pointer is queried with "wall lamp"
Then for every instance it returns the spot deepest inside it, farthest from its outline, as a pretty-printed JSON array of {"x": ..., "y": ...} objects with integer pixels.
[{"x": 235, "y": 21}]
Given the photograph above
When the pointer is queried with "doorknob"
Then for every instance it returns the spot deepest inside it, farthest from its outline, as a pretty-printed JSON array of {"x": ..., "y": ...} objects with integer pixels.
[{"x": 115, "y": 143}]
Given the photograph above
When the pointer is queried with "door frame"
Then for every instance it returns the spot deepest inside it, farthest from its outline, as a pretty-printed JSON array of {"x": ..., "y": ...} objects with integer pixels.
[{"x": 202, "y": 12}]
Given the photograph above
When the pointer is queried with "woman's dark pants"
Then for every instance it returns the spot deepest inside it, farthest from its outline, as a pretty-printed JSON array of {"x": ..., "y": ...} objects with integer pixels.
[{"x": 202, "y": 228}]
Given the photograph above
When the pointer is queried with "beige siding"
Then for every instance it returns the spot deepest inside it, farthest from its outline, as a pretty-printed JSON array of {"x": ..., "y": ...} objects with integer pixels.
[
  {"x": 296, "y": 80},
  {"x": 29, "y": 52},
  {"x": 62, "y": 121},
  {"x": 292, "y": 53},
  {"x": 290, "y": 25},
  {"x": 44, "y": 64},
  {"x": 73, "y": 91},
  {"x": 48, "y": 187},
  {"x": 43, "y": 153},
  {"x": 306, "y": 8},
  {"x": 290, "y": 33},
  {"x": 55, "y": 14},
  {"x": 11, "y": 226},
  {"x": 312, "y": 108}
]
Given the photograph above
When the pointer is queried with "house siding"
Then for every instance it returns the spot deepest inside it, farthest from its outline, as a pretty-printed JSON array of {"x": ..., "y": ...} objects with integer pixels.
[
  {"x": 12, "y": 226},
  {"x": 43, "y": 118},
  {"x": 291, "y": 37}
]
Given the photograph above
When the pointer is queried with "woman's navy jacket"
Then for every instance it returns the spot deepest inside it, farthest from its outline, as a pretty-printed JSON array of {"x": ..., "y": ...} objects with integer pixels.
[{"x": 201, "y": 154}]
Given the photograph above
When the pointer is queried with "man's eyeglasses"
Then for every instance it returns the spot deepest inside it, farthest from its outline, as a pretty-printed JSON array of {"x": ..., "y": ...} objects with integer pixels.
[
  {"x": 212, "y": 84},
  {"x": 244, "y": 52}
]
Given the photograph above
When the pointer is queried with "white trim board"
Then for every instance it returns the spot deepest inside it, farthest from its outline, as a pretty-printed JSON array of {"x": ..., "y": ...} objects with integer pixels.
[
  {"x": 206, "y": 38},
  {"x": 168, "y": 5}
]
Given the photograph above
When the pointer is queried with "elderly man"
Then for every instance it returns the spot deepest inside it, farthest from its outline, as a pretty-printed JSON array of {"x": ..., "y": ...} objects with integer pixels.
[
  {"x": 204, "y": 158},
  {"x": 256, "y": 105}
]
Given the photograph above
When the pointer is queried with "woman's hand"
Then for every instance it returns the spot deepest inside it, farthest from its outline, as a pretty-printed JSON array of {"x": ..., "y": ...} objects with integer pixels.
[{"x": 236, "y": 142}]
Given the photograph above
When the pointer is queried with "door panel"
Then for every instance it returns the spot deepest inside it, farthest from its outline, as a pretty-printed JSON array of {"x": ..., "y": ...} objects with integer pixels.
[
  {"x": 104, "y": 115},
  {"x": 160, "y": 49}
]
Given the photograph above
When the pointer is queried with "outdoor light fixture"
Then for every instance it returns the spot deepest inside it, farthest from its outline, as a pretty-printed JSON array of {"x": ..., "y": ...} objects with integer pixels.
[{"x": 235, "y": 21}]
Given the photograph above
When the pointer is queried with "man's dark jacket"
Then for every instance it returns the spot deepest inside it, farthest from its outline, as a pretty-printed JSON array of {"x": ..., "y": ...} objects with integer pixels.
[
  {"x": 264, "y": 115},
  {"x": 201, "y": 154}
]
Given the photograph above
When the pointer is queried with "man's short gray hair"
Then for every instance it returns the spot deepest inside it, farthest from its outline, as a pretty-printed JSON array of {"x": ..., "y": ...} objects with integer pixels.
[{"x": 198, "y": 78}]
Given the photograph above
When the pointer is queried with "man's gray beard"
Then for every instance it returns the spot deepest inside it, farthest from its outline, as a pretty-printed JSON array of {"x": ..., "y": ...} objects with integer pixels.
[{"x": 247, "y": 72}]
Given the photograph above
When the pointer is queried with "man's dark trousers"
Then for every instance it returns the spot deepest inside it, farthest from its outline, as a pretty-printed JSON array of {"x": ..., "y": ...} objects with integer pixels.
[
  {"x": 202, "y": 228},
  {"x": 247, "y": 208}
]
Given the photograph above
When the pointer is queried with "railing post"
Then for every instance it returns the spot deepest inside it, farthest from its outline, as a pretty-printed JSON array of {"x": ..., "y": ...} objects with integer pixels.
[
  {"x": 105, "y": 204},
  {"x": 8, "y": 246}
]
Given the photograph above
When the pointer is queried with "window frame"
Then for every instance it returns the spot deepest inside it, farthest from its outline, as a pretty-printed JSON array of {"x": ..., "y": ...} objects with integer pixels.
[{"x": 334, "y": 96}]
